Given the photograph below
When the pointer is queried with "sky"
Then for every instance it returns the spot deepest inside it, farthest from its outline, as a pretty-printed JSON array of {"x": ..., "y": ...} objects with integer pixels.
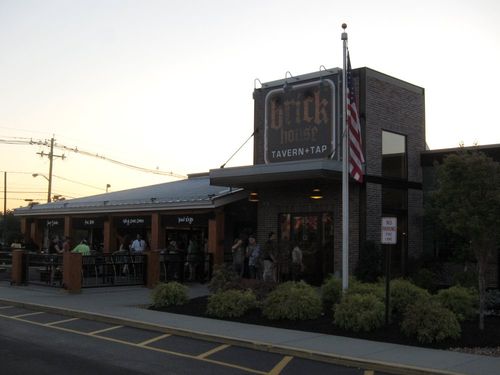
[{"x": 167, "y": 85}]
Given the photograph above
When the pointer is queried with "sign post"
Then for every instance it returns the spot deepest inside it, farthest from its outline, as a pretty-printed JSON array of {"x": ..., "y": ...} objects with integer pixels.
[{"x": 389, "y": 230}]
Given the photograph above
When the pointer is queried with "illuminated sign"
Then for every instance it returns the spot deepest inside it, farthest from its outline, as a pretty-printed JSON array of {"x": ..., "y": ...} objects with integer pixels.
[{"x": 300, "y": 122}]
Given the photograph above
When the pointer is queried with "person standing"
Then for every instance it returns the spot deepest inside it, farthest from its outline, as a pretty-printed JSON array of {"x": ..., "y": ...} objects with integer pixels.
[
  {"x": 253, "y": 252},
  {"x": 238, "y": 251},
  {"x": 297, "y": 264},
  {"x": 269, "y": 258},
  {"x": 138, "y": 245},
  {"x": 82, "y": 248}
]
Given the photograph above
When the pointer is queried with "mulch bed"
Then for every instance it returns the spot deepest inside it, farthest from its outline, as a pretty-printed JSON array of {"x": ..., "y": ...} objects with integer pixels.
[{"x": 471, "y": 336}]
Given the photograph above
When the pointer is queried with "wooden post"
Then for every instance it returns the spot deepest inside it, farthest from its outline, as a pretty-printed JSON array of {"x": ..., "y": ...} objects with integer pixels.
[
  {"x": 153, "y": 268},
  {"x": 216, "y": 237},
  {"x": 17, "y": 267},
  {"x": 72, "y": 272}
]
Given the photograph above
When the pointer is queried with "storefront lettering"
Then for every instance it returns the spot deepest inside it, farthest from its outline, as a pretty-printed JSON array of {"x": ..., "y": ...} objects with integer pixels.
[
  {"x": 185, "y": 220},
  {"x": 89, "y": 222},
  {"x": 311, "y": 109},
  {"x": 299, "y": 151},
  {"x": 53, "y": 223},
  {"x": 133, "y": 221}
]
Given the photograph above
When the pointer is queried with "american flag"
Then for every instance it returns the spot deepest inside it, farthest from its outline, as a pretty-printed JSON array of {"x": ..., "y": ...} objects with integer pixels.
[{"x": 356, "y": 158}]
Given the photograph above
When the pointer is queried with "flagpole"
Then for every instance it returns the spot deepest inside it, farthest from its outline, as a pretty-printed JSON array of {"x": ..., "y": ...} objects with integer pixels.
[{"x": 345, "y": 170}]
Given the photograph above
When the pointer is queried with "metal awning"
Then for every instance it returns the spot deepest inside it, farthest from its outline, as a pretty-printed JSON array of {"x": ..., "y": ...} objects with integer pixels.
[{"x": 253, "y": 176}]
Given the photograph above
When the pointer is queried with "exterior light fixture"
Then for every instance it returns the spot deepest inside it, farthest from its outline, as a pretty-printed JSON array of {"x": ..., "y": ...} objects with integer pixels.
[
  {"x": 316, "y": 194},
  {"x": 253, "y": 197}
]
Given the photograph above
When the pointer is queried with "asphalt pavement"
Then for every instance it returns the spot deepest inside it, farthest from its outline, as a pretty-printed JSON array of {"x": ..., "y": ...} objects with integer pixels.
[{"x": 127, "y": 306}]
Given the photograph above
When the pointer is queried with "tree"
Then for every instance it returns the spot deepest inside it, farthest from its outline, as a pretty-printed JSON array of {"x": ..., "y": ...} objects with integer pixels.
[
  {"x": 467, "y": 201},
  {"x": 12, "y": 228}
]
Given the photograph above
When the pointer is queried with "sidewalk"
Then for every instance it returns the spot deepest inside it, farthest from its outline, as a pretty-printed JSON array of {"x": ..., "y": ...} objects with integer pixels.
[{"x": 127, "y": 304}]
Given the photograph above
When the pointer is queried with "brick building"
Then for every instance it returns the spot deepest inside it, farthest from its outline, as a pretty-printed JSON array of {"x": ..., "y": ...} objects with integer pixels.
[{"x": 294, "y": 184}]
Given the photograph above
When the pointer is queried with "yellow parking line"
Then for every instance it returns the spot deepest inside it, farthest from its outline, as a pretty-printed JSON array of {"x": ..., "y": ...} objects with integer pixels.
[
  {"x": 154, "y": 339},
  {"x": 61, "y": 321},
  {"x": 368, "y": 372},
  {"x": 104, "y": 330},
  {"x": 281, "y": 365},
  {"x": 28, "y": 314},
  {"x": 214, "y": 350}
]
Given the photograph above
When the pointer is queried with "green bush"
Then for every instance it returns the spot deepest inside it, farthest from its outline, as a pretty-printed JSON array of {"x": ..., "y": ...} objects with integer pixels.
[
  {"x": 168, "y": 294},
  {"x": 462, "y": 301},
  {"x": 292, "y": 301},
  {"x": 374, "y": 289},
  {"x": 223, "y": 278},
  {"x": 230, "y": 303},
  {"x": 358, "y": 312},
  {"x": 369, "y": 267},
  {"x": 426, "y": 279},
  {"x": 467, "y": 278},
  {"x": 331, "y": 291},
  {"x": 260, "y": 288},
  {"x": 430, "y": 322},
  {"x": 404, "y": 293}
]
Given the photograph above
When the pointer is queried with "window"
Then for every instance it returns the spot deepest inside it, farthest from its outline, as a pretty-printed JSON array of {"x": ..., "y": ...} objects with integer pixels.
[{"x": 394, "y": 163}]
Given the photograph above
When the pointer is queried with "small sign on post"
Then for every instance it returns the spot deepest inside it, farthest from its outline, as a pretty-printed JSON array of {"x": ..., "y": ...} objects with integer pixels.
[{"x": 389, "y": 231}]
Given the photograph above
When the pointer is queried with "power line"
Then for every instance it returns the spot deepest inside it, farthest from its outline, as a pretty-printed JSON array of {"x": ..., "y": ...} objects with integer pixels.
[{"x": 30, "y": 141}]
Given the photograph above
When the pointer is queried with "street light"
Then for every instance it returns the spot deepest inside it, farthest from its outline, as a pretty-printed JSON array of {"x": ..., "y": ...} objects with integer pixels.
[{"x": 50, "y": 184}]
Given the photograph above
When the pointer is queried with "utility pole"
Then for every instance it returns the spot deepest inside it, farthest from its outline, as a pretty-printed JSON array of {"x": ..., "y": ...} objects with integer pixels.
[
  {"x": 51, "y": 157},
  {"x": 4, "y": 239}
]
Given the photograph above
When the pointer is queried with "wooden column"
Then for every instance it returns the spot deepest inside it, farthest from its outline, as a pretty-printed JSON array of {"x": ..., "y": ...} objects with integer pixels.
[
  {"x": 216, "y": 237},
  {"x": 25, "y": 228},
  {"x": 109, "y": 236},
  {"x": 36, "y": 234},
  {"x": 72, "y": 272},
  {"x": 157, "y": 233},
  {"x": 67, "y": 226},
  {"x": 153, "y": 268},
  {"x": 17, "y": 267}
]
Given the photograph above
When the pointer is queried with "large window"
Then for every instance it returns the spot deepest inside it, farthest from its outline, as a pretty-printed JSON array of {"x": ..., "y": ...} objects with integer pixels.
[
  {"x": 313, "y": 233},
  {"x": 394, "y": 158}
]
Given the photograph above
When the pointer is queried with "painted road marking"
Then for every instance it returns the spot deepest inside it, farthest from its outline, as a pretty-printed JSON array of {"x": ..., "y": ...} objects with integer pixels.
[
  {"x": 281, "y": 365},
  {"x": 28, "y": 314},
  {"x": 220, "y": 363},
  {"x": 214, "y": 350},
  {"x": 369, "y": 372},
  {"x": 6, "y": 307},
  {"x": 104, "y": 330},
  {"x": 61, "y": 321},
  {"x": 154, "y": 339}
]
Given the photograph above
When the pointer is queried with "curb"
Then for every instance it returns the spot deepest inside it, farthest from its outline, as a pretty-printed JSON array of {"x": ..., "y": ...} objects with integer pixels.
[{"x": 342, "y": 360}]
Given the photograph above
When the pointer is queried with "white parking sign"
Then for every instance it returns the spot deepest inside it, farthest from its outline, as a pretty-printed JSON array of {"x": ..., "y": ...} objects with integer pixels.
[{"x": 389, "y": 230}]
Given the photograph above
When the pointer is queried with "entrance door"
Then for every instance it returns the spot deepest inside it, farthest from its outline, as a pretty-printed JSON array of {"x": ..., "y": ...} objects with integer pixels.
[{"x": 313, "y": 233}]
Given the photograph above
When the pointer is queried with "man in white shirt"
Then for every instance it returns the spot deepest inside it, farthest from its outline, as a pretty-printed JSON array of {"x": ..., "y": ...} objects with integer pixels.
[{"x": 138, "y": 245}]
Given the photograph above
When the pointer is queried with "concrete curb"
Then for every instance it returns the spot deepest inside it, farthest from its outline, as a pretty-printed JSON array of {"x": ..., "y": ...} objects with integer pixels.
[{"x": 374, "y": 365}]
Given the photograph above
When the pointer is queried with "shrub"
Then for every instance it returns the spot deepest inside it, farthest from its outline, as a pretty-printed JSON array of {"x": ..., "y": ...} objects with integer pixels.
[
  {"x": 331, "y": 291},
  {"x": 462, "y": 301},
  {"x": 168, "y": 294},
  {"x": 426, "y": 279},
  {"x": 359, "y": 312},
  {"x": 260, "y": 288},
  {"x": 369, "y": 266},
  {"x": 230, "y": 303},
  {"x": 223, "y": 278},
  {"x": 492, "y": 299},
  {"x": 467, "y": 278},
  {"x": 430, "y": 322},
  {"x": 404, "y": 293},
  {"x": 377, "y": 290},
  {"x": 293, "y": 301}
]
